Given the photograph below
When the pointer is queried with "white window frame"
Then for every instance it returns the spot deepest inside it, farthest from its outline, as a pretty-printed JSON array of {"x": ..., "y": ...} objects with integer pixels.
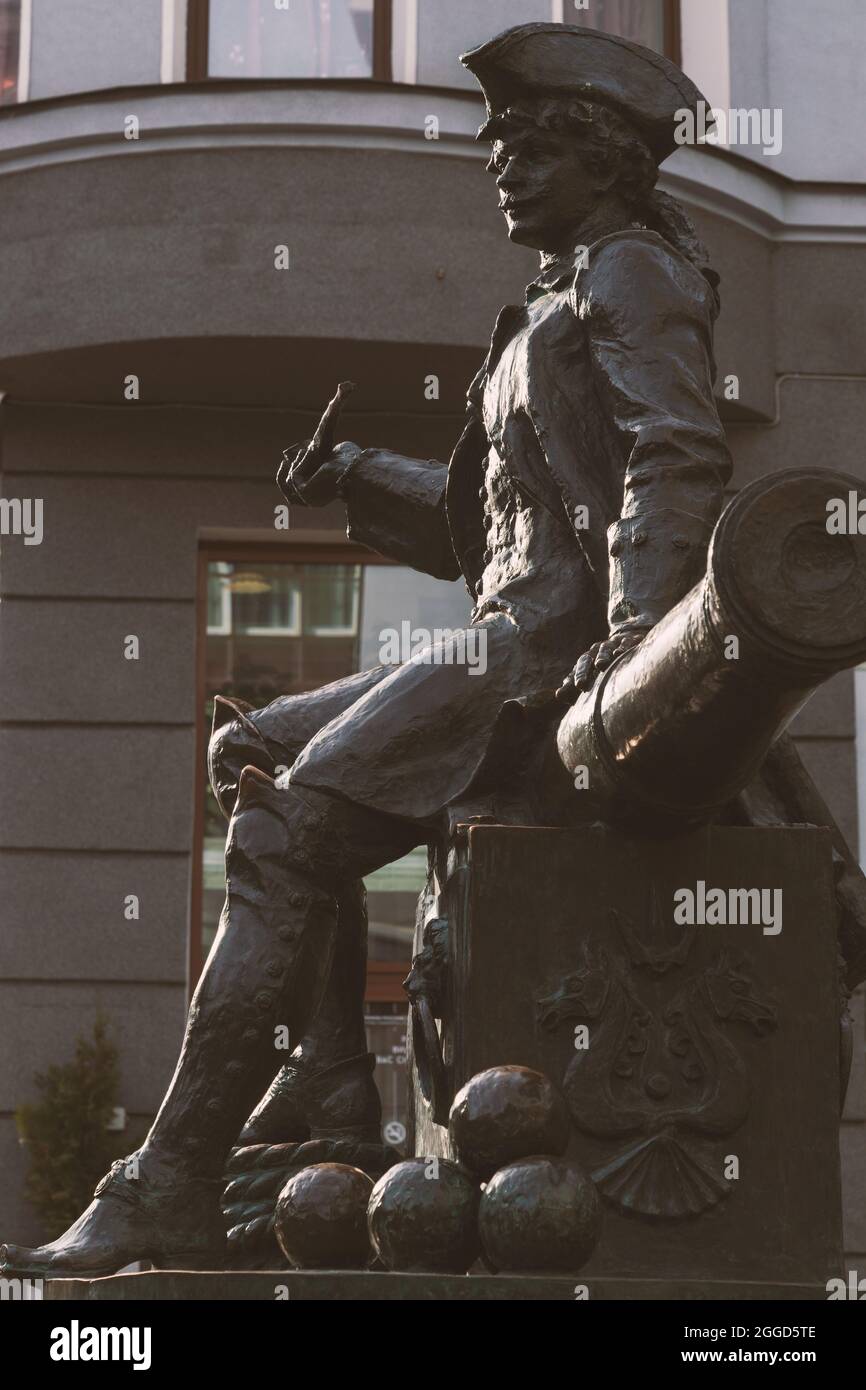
[
  {"x": 172, "y": 63},
  {"x": 404, "y": 41},
  {"x": 225, "y": 627},
  {"x": 342, "y": 631},
  {"x": 295, "y": 628},
  {"x": 705, "y": 40},
  {"x": 25, "y": 39}
]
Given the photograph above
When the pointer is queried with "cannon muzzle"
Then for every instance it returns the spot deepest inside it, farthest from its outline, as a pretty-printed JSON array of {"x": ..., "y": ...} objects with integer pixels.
[{"x": 677, "y": 727}]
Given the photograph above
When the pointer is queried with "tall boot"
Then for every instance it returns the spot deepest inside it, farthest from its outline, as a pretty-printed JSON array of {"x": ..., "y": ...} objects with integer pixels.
[
  {"x": 322, "y": 1106},
  {"x": 267, "y": 969},
  {"x": 326, "y": 1088}
]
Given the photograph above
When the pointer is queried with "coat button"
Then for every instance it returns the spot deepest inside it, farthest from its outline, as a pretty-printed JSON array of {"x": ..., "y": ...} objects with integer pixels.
[
  {"x": 488, "y": 521},
  {"x": 482, "y": 493},
  {"x": 479, "y": 587},
  {"x": 681, "y": 542}
]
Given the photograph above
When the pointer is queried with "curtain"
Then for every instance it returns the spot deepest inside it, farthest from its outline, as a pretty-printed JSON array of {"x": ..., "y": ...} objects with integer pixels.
[
  {"x": 639, "y": 20},
  {"x": 309, "y": 38}
]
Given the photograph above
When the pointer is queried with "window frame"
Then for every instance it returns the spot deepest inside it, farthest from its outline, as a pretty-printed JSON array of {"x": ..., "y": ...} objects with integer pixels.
[
  {"x": 25, "y": 34},
  {"x": 672, "y": 22},
  {"x": 198, "y": 29},
  {"x": 198, "y": 37}
]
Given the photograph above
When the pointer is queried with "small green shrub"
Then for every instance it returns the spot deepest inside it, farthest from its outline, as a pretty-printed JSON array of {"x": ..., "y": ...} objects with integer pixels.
[{"x": 65, "y": 1131}]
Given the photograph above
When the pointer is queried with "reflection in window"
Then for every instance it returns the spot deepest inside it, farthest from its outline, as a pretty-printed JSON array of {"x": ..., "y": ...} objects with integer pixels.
[
  {"x": 265, "y": 605},
  {"x": 332, "y": 605},
  {"x": 306, "y": 38},
  {"x": 642, "y": 21},
  {"x": 280, "y": 629},
  {"x": 10, "y": 40}
]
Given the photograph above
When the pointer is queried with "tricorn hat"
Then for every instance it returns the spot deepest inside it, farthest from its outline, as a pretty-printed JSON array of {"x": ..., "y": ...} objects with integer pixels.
[{"x": 534, "y": 60}]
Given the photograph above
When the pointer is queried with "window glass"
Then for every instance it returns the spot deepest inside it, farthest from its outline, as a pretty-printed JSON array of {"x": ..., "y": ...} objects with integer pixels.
[
  {"x": 332, "y": 603},
  {"x": 639, "y": 20},
  {"x": 306, "y": 38},
  {"x": 10, "y": 22},
  {"x": 446, "y": 28}
]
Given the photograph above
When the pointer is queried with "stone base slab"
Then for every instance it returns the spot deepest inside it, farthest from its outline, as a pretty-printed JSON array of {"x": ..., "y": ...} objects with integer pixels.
[{"x": 363, "y": 1286}]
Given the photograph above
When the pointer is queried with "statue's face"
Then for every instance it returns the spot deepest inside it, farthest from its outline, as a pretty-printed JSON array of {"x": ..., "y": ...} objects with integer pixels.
[{"x": 546, "y": 188}]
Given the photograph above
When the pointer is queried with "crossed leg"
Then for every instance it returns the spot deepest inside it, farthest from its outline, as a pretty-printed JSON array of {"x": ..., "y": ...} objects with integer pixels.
[{"x": 326, "y": 1088}]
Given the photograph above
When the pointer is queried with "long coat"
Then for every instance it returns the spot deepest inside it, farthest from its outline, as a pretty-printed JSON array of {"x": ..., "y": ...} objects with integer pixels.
[{"x": 596, "y": 400}]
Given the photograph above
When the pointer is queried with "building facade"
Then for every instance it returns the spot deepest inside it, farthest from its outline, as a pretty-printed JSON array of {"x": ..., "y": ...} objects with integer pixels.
[{"x": 210, "y": 213}]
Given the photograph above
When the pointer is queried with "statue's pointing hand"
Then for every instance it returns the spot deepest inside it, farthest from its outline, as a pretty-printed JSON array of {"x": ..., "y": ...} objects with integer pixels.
[
  {"x": 310, "y": 472},
  {"x": 307, "y": 480}
]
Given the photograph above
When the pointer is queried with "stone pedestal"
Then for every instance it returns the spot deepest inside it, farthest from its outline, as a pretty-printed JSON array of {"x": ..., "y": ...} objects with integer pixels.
[{"x": 700, "y": 1062}]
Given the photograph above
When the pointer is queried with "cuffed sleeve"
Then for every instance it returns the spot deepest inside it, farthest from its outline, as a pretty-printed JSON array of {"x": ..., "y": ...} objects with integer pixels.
[
  {"x": 396, "y": 506},
  {"x": 650, "y": 315},
  {"x": 655, "y": 558}
]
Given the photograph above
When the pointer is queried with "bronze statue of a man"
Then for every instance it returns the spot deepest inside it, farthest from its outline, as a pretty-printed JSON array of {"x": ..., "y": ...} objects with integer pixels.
[{"x": 578, "y": 505}]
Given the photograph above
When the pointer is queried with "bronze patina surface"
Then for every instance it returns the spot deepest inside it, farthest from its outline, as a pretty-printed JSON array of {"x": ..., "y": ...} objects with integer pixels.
[{"x": 578, "y": 506}]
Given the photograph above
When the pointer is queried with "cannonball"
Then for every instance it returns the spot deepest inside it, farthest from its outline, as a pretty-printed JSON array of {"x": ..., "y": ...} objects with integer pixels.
[
  {"x": 539, "y": 1215},
  {"x": 507, "y": 1113},
  {"x": 423, "y": 1215},
  {"x": 321, "y": 1217}
]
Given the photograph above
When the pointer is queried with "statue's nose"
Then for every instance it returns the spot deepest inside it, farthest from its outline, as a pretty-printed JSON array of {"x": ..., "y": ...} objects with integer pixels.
[{"x": 507, "y": 179}]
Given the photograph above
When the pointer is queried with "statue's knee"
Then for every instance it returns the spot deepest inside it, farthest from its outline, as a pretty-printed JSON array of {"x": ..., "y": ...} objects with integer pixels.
[{"x": 235, "y": 743}]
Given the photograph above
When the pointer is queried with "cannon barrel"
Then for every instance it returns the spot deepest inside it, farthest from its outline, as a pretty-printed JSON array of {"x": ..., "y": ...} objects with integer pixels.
[{"x": 677, "y": 727}]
